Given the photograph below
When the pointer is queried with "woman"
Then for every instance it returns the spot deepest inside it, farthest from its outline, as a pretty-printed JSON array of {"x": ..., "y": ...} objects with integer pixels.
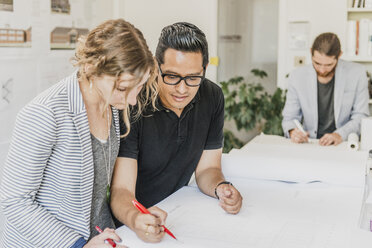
[{"x": 56, "y": 182}]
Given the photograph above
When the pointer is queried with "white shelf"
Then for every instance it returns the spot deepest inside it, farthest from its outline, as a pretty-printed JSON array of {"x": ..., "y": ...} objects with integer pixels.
[
  {"x": 359, "y": 10},
  {"x": 23, "y": 44},
  {"x": 370, "y": 101},
  {"x": 358, "y": 58}
]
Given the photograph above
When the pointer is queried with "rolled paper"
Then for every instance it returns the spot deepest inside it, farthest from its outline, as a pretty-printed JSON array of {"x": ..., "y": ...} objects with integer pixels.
[{"x": 353, "y": 142}]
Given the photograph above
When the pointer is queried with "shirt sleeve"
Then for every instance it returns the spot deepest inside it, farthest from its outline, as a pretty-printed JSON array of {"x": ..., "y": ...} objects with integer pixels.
[
  {"x": 215, "y": 134},
  {"x": 292, "y": 108},
  {"x": 129, "y": 145},
  {"x": 359, "y": 110}
]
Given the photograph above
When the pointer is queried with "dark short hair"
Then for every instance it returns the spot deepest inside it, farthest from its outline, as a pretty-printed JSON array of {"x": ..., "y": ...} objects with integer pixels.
[
  {"x": 182, "y": 36},
  {"x": 328, "y": 44}
]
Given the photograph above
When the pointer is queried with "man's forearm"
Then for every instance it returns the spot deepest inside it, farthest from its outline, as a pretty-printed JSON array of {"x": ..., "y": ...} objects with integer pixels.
[
  {"x": 122, "y": 207},
  {"x": 208, "y": 180}
]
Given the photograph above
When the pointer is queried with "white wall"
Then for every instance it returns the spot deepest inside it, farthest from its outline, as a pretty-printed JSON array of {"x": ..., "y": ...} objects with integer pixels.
[
  {"x": 151, "y": 16},
  {"x": 35, "y": 68},
  {"x": 322, "y": 16},
  {"x": 256, "y": 22}
]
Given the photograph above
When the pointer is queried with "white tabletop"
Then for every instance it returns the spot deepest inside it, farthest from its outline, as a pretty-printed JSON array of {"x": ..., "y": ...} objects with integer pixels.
[{"x": 274, "y": 213}]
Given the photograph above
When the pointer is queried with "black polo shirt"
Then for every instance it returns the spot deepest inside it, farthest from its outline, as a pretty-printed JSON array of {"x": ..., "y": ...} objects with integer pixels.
[{"x": 168, "y": 148}]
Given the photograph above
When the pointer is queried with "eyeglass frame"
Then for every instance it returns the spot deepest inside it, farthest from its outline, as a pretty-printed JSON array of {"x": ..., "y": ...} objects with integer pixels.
[{"x": 182, "y": 78}]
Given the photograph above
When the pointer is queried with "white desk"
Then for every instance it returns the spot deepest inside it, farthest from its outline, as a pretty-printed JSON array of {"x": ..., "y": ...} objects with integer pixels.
[
  {"x": 274, "y": 214},
  {"x": 366, "y": 213}
]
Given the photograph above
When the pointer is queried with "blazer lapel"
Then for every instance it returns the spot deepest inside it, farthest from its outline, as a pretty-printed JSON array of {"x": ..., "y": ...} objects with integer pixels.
[
  {"x": 80, "y": 119},
  {"x": 339, "y": 90},
  {"x": 313, "y": 93}
]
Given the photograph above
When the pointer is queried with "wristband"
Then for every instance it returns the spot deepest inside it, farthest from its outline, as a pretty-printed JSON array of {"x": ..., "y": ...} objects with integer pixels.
[{"x": 223, "y": 182}]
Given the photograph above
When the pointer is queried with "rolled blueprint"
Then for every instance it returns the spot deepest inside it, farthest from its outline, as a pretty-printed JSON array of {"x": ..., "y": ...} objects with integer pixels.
[
  {"x": 366, "y": 134},
  {"x": 353, "y": 142},
  {"x": 301, "y": 163}
]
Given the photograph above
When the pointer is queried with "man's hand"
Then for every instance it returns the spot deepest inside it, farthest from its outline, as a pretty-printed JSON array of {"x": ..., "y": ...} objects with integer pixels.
[
  {"x": 298, "y": 137},
  {"x": 330, "y": 139},
  {"x": 230, "y": 198},
  {"x": 148, "y": 227}
]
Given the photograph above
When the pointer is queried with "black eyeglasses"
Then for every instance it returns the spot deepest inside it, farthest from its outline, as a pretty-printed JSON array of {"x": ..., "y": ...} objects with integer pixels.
[{"x": 172, "y": 79}]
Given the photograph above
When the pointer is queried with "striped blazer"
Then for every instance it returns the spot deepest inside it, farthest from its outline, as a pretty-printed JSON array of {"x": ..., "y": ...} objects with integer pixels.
[{"x": 47, "y": 185}]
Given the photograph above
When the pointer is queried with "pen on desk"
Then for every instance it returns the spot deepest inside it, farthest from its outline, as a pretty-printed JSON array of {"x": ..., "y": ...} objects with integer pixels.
[
  {"x": 143, "y": 210},
  {"x": 111, "y": 242},
  {"x": 299, "y": 126}
]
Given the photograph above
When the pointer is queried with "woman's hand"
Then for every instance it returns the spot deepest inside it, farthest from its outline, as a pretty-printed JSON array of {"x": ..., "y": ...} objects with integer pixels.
[{"x": 99, "y": 240}]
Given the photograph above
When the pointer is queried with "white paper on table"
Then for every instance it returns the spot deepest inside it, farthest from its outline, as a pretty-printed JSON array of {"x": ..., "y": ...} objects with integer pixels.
[
  {"x": 274, "y": 214},
  {"x": 297, "y": 163},
  {"x": 280, "y": 140}
]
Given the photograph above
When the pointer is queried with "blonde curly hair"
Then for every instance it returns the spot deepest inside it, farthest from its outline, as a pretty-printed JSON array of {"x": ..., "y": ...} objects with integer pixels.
[{"x": 115, "y": 47}]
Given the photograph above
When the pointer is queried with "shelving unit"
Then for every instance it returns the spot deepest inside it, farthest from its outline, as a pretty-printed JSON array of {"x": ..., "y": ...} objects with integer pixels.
[
  {"x": 359, "y": 10},
  {"x": 358, "y": 14},
  {"x": 359, "y": 59}
]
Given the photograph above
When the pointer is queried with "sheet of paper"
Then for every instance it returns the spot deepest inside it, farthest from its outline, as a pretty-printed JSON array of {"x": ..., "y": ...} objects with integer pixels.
[
  {"x": 280, "y": 140},
  {"x": 274, "y": 214},
  {"x": 298, "y": 163}
]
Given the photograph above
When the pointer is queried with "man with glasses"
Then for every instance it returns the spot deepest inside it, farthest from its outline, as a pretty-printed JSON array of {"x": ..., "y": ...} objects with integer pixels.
[
  {"x": 330, "y": 96},
  {"x": 184, "y": 135}
]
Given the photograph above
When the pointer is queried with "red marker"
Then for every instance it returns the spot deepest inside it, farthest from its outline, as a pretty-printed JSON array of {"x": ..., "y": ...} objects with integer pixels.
[
  {"x": 143, "y": 210},
  {"x": 111, "y": 242}
]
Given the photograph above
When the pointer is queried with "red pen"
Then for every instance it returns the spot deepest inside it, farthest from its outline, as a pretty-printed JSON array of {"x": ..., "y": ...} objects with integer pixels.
[
  {"x": 143, "y": 210},
  {"x": 111, "y": 242}
]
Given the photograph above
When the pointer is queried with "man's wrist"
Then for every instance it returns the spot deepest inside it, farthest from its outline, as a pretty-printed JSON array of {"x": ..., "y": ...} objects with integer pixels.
[{"x": 215, "y": 189}]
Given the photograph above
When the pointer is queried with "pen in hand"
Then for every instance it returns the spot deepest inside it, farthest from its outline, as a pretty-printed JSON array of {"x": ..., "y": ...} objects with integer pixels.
[
  {"x": 299, "y": 126},
  {"x": 111, "y": 242},
  {"x": 143, "y": 210}
]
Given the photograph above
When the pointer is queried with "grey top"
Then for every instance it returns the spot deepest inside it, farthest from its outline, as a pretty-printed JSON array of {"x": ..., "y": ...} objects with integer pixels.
[
  {"x": 326, "y": 116},
  {"x": 101, "y": 213}
]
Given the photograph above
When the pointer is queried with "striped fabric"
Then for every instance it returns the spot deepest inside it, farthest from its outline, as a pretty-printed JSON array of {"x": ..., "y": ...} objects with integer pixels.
[{"x": 46, "y": 190}]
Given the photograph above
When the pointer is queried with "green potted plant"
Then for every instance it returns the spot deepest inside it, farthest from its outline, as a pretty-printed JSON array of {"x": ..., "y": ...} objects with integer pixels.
[{"x": 250, "y": 106}]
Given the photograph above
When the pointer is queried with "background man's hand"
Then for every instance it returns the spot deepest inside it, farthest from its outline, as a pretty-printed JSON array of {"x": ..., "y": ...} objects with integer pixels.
[
  {"x": 298, "y": 137},
  {"x": 330, "y": 139}
]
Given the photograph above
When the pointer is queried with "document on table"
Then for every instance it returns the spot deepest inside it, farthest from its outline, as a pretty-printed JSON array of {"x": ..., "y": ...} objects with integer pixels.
[
  {"x": 297, "y": 163},
  {"x": 282, "y": 141},
  {"x": 293, "y": 196},
  {"x": 274, "y": 214}
]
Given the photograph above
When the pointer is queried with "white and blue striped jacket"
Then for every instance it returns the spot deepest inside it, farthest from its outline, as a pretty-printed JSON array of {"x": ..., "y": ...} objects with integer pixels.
[{"x": 46, "y": 191}]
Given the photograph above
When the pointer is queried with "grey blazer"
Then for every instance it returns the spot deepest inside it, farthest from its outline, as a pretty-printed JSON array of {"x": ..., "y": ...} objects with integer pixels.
[
  {"x": 46, "y": 191},
  {"x": 350, "y": 99}
]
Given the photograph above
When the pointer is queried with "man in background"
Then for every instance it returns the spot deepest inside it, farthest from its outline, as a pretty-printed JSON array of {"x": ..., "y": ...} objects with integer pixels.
[{"x": 330, "y": 96}]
